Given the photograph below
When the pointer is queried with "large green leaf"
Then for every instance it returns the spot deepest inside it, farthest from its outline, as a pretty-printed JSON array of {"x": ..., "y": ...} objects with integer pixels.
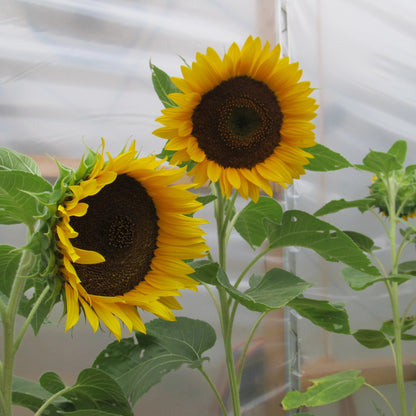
[
  {"x": 9, "y": 262},
  {"x": 325, "y": 159},
  {"x": 299, "y": 228},
  {"x": 11, "y": 160},
  {"x": 17, "y": 203},
  {"x": 332, "y": 317},
  {"x": 275, "y": 290},
  {"x": 339, "y": 204},
  {"x": 325, "y": 390},
  {"x": 166, "y": 346},
  {"x": 163, "y": 85},
  {"x": 250, "y": 219}
]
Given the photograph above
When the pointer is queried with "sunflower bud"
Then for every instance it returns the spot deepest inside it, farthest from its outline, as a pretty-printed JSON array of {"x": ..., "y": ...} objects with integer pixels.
[{"x": 404, "y": 182}]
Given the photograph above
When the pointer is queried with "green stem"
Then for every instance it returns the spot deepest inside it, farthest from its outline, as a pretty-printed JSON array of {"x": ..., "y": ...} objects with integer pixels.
[
  {"x": 383, "y": 397},
  {"x": 214, "y": 389},
  {"x": 398, "y": 349},
  {"x": 222, "y": 219},
  {"x": 29, "y": 318},
  {"x": 52, "y": 399},
  {"x": 393, "y": 292},
  {"x": 250, "y": 265},
  {"x": 413, "y": 409},
  {"x": 246, "y": 345},
  {"x": 26, "y": 262}
]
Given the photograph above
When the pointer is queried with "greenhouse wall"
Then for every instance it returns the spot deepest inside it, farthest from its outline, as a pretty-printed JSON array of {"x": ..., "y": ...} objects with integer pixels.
[{"x": 75, "y": 71}]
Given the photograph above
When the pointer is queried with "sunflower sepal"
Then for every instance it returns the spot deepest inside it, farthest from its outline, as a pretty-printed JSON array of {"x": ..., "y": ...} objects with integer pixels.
[{"x": 163, "y": 85}]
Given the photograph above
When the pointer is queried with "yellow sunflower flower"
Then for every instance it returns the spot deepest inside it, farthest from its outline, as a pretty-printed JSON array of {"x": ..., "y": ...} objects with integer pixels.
[
  {"x": 243, "y": 119},
  {"x": 124, "y": 234}
]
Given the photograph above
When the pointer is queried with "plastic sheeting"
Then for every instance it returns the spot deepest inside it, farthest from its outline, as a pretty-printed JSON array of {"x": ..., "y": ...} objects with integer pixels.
[
  {"x": 361, "y": 57},
  {"x": 74, "y": 71}
]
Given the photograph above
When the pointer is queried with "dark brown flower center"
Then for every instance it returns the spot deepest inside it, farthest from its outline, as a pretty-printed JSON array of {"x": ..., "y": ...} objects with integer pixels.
[
  {"x": 120, "y": 224},
  {"x": 237, "y": 124}
]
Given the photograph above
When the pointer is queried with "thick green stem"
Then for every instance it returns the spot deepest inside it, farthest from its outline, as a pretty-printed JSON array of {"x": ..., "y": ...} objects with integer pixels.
[
  {"x": 222, "y": 219},
  {"x": 25, "y": 265},
  {"x": 398, "y": 349},
  {"x": 393, "y": 292}
]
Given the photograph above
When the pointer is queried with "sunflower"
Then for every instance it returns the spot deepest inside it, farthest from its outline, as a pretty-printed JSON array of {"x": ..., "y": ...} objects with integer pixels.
[
  {"x": 243, "y": 119},
  {"x": 123, "y": 234},
  {"x": 405, "y": 194}
]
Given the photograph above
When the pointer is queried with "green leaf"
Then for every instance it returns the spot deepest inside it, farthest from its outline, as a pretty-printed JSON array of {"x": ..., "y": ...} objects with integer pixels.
[
  {"x": 408, "y": 324},
  {"x": 325, "y": 390},
  {"x": 17, "y": 205},
  {"x": 365, "y": 243},
  {"x": 9, "y": 262},
  {"x": 299, "y": 228},
  {"x": 206, "y": 199},
  {"x": 380, "y": 163},
  {"x": 371, "y": 338},
  {"x": 275, "y": 290},
  {"x": 325, "y": 159},
  {"x": 95, "y": 389},
  {"x": 360, "y": 281},
  {"x": 340, "y": 204},
  {"x": 408, "y": 267},
  {"x": 88, "y": 413},
  {"x": 11, "y": 160},
  {"x": 26, "y": 304},
  {"x": 250, "y": 219},
  {"x": 330, "y": 316},
  {"x": 51, "y": 382},
  {"x": 166, "y": 346},
  {"x": 399, "y": 150},
  {"x": 205, "y": 271},
  {"x": 163, "y": 85},
  {"x": 31, "y": 395}
]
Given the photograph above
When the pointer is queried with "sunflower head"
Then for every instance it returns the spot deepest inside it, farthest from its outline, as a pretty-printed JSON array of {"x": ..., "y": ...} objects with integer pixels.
[
  {"x": 405, "y": 184},
  {"x": 242, "y": 119},
  {"x": 123, "y": 234}
]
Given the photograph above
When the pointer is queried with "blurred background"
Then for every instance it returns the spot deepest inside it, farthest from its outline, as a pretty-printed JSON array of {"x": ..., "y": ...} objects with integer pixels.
[{"x": 73, "y": 71}]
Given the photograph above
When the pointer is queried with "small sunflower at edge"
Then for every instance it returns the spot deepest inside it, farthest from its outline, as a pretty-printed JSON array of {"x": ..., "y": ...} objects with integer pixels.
[
  {"x": 244, "y": 119},
  {"x": 123, "y": 234}
]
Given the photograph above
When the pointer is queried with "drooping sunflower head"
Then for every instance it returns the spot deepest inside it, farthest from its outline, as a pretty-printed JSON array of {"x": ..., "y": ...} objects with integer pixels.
[
  {"x": 124, "y": 234},
  {"x": 405, "y": 184},
  {"x": 244, "y": 119}
]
